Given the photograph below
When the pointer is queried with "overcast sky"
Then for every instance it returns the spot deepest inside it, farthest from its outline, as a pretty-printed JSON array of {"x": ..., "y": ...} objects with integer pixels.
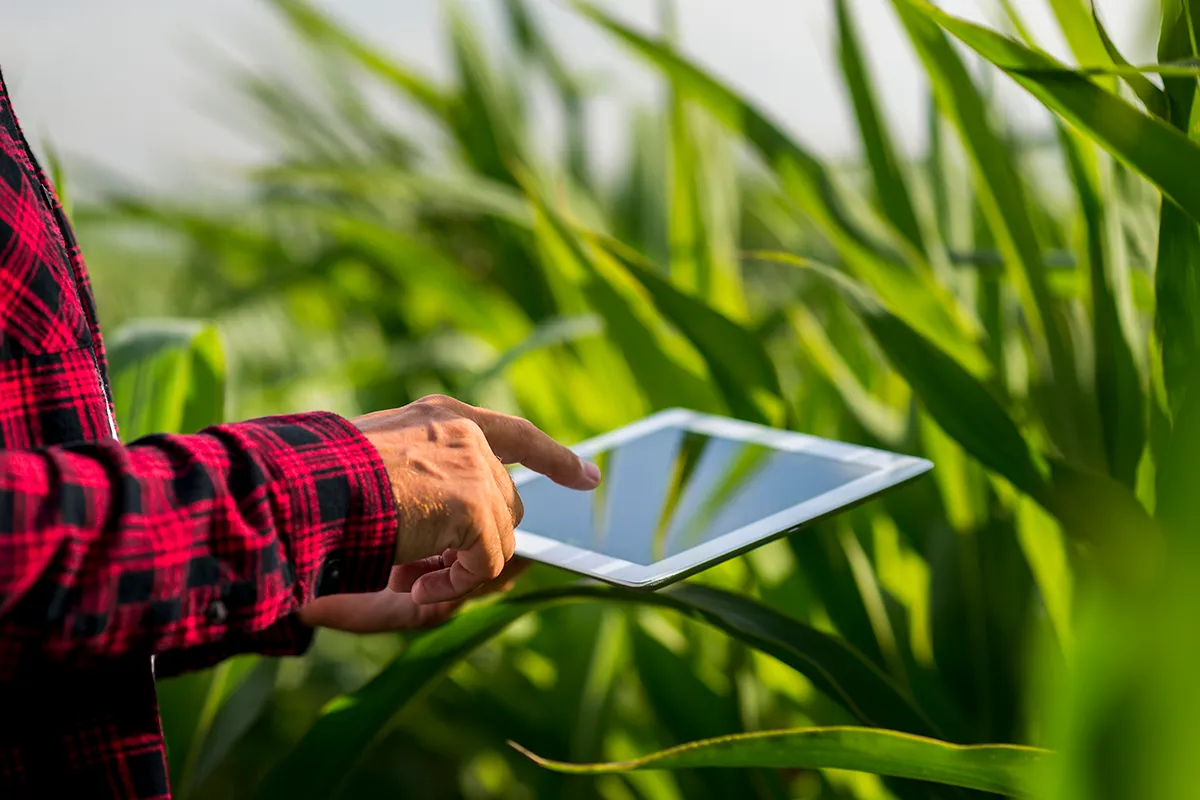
[{"x": 128, "y": 83}]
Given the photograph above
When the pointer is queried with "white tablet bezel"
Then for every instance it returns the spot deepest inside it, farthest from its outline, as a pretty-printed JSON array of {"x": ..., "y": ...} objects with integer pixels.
[{"x": 893, "y": 470}]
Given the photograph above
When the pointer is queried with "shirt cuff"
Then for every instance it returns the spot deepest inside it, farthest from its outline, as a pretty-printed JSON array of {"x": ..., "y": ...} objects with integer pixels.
[
  {"x": 338, "y": 509},
  {"x": 287, "y": 637}
]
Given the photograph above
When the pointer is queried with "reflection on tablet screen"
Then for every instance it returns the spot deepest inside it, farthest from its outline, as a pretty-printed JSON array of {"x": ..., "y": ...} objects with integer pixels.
[{"x": 673, "y": 489}]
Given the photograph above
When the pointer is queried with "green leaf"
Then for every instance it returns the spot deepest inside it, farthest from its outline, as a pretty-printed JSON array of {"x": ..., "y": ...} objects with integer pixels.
[
  {"x": 1175, "y": 283},
  {"x": 189, "y": 704},
  {"x": 924, "y": 304},
  {"x": 320, "y": 28},
  {"x": 891, "y": 189},
  {"x": 834, "y": 667},
  {"x": 1096, "y": 509},
  {"x": 550, "y": 333},
  {"x": 1078, "y": 24},
  {"x": 739, "y": 365},
  {"x": 168, "y": 376},
  {"x": 665, "y": 370},
  {"x": 535, "y": 45},
  {"x": 1009, "y": 770},
  {"x": 686, "y": 707},
  {"x": 1178, "y": 502},
  {"x": 956, "y": 400},
  {"x": 451, "y": 194},
  {"x": 702, "y": 216},
  {"x": 1001, "y": 189},
  {"x": 735, "y": 356},
  {"x": 883, "y": 421},
  {"x": 1119, "y": 394},
  {"x": 251, "y": 694},
  {"x": 350, "y": 724},
  {"x": 822, "y": 564},
  {"x": 960, "y": 404},
  {"x": 1161, "y": 153},
  {"x": 319, "y": 763},
  {"x": 1045, "y": 548},
  {"x": 1152, "y": 97}
]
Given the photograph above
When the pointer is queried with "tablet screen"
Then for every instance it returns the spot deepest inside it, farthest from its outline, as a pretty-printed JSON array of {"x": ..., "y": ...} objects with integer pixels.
[{"x": 670, "y": 490}]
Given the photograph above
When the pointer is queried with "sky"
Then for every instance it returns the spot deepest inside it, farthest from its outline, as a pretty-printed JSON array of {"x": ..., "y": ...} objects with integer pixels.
[{"x": 134, "y": 86}]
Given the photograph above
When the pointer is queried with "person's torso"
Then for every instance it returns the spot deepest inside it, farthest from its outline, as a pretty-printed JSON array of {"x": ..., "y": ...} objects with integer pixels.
[{"x": 93, "y": 733}]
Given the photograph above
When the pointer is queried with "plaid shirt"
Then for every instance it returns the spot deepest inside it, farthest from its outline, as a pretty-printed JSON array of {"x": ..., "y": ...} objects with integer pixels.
[{"x": 171, "y": 552}]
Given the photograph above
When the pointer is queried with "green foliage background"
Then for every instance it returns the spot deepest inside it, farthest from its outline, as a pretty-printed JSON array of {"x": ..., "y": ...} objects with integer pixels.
[{"x": 1036, "y": 591}]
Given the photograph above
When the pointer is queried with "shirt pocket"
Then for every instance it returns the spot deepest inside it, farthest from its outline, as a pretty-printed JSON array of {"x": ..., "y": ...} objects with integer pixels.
[{"x": 51, "y": 398}]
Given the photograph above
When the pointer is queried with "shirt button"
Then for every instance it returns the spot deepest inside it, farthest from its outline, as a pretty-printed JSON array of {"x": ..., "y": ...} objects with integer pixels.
[
  {"x": 216, "y": 613},
  {"x": 330, "y": 580}
]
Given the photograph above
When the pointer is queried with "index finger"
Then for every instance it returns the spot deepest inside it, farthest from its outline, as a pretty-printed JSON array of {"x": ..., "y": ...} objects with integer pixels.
[{"x": 519, "y": 441}]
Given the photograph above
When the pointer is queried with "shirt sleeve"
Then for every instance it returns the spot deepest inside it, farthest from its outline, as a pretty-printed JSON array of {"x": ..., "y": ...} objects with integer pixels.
[{"x": 205, "y": 544}]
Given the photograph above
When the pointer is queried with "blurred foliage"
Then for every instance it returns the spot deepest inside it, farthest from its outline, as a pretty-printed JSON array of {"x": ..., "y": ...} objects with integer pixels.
[{"x": 1039, "y": 348}]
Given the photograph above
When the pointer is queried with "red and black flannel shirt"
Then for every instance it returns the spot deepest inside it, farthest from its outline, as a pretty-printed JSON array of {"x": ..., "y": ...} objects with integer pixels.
[{"x": 169, "y": 553}]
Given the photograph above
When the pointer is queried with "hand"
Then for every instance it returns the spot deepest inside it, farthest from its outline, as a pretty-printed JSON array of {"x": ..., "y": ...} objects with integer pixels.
[
  {"x": 457, "y": 503},
  {"x": 388, "y": 611}
]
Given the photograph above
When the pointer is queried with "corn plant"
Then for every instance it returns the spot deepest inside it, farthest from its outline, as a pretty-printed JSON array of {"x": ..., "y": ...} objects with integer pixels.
[{"x": 976, "y": 634}]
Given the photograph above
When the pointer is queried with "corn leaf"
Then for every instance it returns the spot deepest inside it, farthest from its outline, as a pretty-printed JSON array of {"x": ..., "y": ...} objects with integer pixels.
[
  {"x": 320, "y": 28},
  {"x": 1122, "y": 403},
  {"x": 956, "y": 400},
  {"x": 1078, "y": 25},
  {"x": 247, "y": 697},
  {"x": 1001, "y": 191},
  {"x": 686, "y": 707},
  {"x": 168, "y": 376},
  {"x": 1009, "y": 770},
  {"x": 655, "y": 357},
  {"x": 1152, "y": 97},
  {"x": 192, "y": 703},
  {"x": 1175, "y": 284},
  {"x": 737, "y": 360},
  {"x": 734, "y": 356},
  {"x": 1161, "y": 153},
  {"x": 348, "y": 725},
  {"x": 891, "y": 188},
  {"x": 924, "y": 304}
]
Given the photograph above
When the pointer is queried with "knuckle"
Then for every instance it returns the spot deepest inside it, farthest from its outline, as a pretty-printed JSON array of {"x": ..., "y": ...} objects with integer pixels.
[
  {"x": 435, "y": 406},
  {"x": 462, "y": 428}
]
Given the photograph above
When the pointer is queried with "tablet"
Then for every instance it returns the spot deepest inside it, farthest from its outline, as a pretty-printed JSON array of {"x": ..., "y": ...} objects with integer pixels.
[{"x": 684, "y": 491}]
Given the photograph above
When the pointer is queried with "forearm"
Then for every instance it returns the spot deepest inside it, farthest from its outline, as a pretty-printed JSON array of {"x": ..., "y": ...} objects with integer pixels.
[{"x": 181, "y": 542}]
